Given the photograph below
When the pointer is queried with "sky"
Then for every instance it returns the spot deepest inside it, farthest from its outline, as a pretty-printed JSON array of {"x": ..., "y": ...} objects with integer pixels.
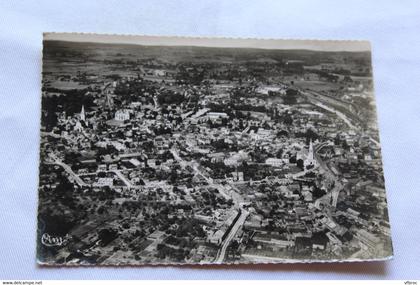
[{"x": 325, "y": 45}]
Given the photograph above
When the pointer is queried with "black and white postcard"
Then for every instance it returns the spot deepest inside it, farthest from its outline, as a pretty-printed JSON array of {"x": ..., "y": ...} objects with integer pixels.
[{"x": 172, "y": 150}]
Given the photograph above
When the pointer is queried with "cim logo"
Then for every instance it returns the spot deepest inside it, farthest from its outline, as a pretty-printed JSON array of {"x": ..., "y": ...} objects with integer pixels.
[{"x": 48, "y": 240}]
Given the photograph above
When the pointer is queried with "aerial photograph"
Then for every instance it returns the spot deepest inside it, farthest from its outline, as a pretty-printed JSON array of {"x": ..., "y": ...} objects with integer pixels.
[{"x": 201, "y": 151}]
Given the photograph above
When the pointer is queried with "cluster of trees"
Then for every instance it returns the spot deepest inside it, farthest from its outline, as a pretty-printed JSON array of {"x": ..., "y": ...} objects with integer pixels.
[
  {"x": 178, "y": 254},
  {"x": 180, "y": 242},
  {"x": 251, "y": 108},
  {"x": 309, "y": 135},
  {"x": 328, "y": 76},
  {"x": 290, "y": 97},
  {"x": 220, "y": 145},
  {"x": 135, "y": 89},
  {"x": 219, "y": 168},
  {"x": 317, "y": 193},
  {"x": 59, "y": 210},
  {"x": 256, "y": 172},
  {"x": 70, "y": 101},
  {"x": 107, "y": 235},
  {"x": 192, "y": 75},
  {"x": 170, "y": 97},
  {"x": 213, "y": 200}
]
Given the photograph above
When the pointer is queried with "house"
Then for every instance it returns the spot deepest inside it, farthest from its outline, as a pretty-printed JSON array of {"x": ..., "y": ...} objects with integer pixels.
[
  {"x": 275, "y": 162},
  {"x": 104, "y": 181},
  {"x": 122, "y": 115},
  {"x": 216, "y": 237}
]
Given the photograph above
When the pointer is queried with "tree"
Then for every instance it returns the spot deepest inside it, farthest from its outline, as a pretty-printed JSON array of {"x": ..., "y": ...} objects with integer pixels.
[
  {"x": 311, "y": 135},
  {"x": 318, "y": 193},
  {"x": 106, "y": 236},
  {"x": 299, "y": 163},
  {"x": 233, "y": 247},
  {"x": 291, "y": 96}
]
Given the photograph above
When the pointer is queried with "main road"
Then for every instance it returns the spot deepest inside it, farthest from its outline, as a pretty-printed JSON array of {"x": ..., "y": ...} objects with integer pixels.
[
  {"x": 239, "y": 222},
  {"x": 68, "y": 169},
  {"x": 243, "y": 215},
  {"x": 210, "y": 181},
  {"x": 122, "y": 177},
  {"x": 333, "y": 194}
]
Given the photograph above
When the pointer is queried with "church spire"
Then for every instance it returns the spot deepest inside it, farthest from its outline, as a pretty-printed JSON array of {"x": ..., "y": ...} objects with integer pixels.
[
  {"x": 311, "y": 150},
  {"x": 82, "y": 113},
  {"x": 108, "y": 100}
]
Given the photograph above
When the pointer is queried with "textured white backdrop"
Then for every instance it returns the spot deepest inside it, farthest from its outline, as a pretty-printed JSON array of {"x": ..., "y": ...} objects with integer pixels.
[{"x": 392, "y": 27}]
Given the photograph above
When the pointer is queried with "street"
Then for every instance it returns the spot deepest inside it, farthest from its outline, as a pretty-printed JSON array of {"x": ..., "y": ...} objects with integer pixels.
[
  {"x": 239, "y": 222},
  {"x": 68, "y": 169}
]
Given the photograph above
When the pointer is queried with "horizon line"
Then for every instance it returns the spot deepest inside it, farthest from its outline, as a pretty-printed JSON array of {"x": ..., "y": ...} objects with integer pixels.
[{"x": 215, "y": 42}]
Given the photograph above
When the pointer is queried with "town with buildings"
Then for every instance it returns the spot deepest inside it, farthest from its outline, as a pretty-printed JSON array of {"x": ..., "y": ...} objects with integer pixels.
[{"x": 173, "y": 155}]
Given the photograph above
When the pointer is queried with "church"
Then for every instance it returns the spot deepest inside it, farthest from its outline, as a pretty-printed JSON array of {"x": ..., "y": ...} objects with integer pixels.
[
  {"x": 81, "y": 122},
  {"x": 307, "y": 156}
]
